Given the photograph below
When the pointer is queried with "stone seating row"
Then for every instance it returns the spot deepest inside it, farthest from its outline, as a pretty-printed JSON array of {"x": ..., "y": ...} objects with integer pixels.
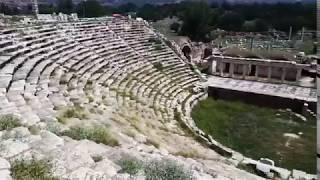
[{"x": 60, "y": 62}]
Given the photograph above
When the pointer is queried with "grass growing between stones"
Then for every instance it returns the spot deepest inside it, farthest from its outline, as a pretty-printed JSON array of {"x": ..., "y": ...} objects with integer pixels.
[
  {"x": 259, "y": 132},
  {"x": 188, "y": 154},
  {"x": 34, "y": 130},
  {"x": 97, "y": 158},
  {"x": 165, "y": 169},
  {"x": 152, "y": 142},
  {"x": 71, "y": 112},
  {"x": 130, "y": 165},
  {"x": 32, "y": 169},
  {"x": 97, "y": 134},
  {"x": 154, "y": 169},
  {"x": 8, "y": 122}
]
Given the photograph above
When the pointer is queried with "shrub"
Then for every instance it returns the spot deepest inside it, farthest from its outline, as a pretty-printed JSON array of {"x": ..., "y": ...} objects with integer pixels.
[
  {"x": 236, "y": 52},
  {"x": 130, "y": 165},
  {"x": 158, "y": 66},
  {"x": 154, "y": 40},
  {"x": 97, "y": 134},
  {"x": 152, "y": 142},
  {"x": 54, "y": 128},
  {"x": 188, "y": 154},
  {"x": 8, "y": 122},
  {"x": 72, "y": 112},
  {"x": 90, "y": 98},
  {"x": 158, "y": 47},
  {"x": 34, "y": 130},
  {"x": 32, "y": 169},
  {"x": 63, "y": 81},
  {"x": 97, "y": 158},
  {"x": 130, "y": 133},
  {"x": 62, "y": 120},
  {"x": 89, "y": 82},
  {"x": 165, "y": 169},
  {"x": 175, "y": 27}
]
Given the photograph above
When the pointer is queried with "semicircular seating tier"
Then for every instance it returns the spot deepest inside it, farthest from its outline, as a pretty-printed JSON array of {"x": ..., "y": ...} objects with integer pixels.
[{"x": 47, "y": 66}]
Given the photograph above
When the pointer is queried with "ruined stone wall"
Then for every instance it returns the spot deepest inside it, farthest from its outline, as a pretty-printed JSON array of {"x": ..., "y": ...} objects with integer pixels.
[{"x": 250, "y": 68}]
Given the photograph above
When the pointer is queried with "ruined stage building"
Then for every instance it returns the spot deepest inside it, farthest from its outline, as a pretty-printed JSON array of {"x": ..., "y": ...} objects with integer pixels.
[{"x": 289, "y": 72}]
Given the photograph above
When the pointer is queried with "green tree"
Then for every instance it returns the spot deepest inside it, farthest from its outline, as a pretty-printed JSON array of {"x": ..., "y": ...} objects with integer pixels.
[
  {"x": 196, "y": 19},
  {"x": 149, "y": 12},
  {"x": 260, "y": 25},
  {"x": 9, "y": 11},
  {"x": 231, "y": 21},
  {"x": 92, "y": 8},
  {"x": 125, "y": 8},
  {"x": 65, "y": 6},
  {"x": 175, "y": 27},
  {"x": 47, "y": 9}
]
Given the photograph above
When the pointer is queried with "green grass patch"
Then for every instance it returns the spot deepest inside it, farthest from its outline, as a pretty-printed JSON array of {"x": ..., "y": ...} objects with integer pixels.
[
  {"x": 8, "y": 122},
  {"x": 98, "y": 134},
  {"x": 32, "y": 169},
  {"x": 258, "y": 132}
]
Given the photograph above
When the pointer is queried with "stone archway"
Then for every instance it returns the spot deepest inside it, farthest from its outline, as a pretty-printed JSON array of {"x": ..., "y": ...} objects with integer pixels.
[
  {"x": 207, "y": 52},
  {"x": 187, "y": 52},
  {"x": 185, "y": 46}
]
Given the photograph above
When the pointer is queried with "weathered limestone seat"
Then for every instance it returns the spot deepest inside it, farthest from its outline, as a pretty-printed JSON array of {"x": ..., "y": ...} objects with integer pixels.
[{"x": 53, "y": 65}]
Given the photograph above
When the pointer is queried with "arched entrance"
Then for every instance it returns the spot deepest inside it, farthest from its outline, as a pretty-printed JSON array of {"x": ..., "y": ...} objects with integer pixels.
[
  {"x": 207, "y": 52},
  {"x": 187, "y": 52}
]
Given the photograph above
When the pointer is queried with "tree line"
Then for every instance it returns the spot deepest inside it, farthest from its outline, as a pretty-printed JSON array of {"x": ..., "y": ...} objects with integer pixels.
[{"x": 198, "y": 18}]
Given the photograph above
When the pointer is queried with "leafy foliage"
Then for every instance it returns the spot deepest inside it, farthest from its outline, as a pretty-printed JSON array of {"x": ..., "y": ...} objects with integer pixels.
[
  {"x": 8, "y": 122},
  {"x": 199, "y": 18},
  {"x": 92, "y": 8},
  {"x": 231, "y": 21},
  {"x": 65, "y": 6},
  {"x": 71, "y": 112},
  {"x": 196, "y": 19},
  {"x": 97, "y": 134},
  {"x": 165, "y": 169},
  {"x": 155, "y": 41},
  {"x": 175, "y": 27},
  {"x": 130, "y": 165},
  {"x": 97, "y": 158},
  {"x": 155, "y": 169},
  {"x": 32, "y": 169},
  {"x": 158, "y": 66}
]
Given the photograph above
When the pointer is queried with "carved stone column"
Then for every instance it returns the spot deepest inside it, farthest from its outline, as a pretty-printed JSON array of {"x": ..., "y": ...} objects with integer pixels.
[
  {"x": 221, "y": 68},
  {"x": 231, "y": 71},
  {"x": 298, "y": 76},
  {"x": 244, "y": 71}
]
